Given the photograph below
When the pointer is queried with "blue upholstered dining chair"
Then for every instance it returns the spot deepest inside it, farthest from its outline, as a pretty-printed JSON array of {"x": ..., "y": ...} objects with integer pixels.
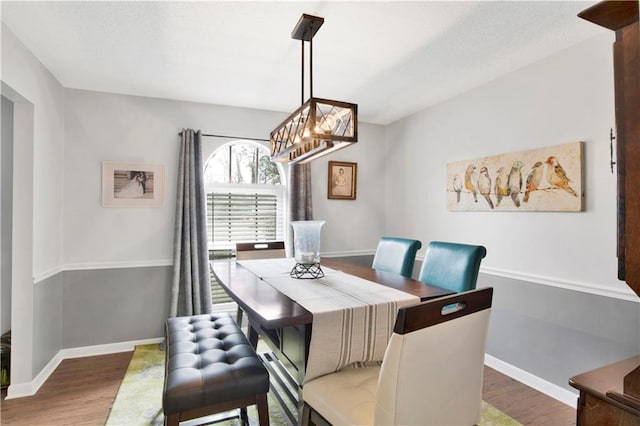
[
  {"x": 396, "y": 255},
  {"x": 451, "y": 265}
]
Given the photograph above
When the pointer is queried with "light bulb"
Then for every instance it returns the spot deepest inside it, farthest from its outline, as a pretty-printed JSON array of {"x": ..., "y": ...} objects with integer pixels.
[{"x": 328, "y": 123}]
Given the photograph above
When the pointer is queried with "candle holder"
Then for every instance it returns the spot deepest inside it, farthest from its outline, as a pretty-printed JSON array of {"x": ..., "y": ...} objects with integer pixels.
[{"x": 306, "y": 244}]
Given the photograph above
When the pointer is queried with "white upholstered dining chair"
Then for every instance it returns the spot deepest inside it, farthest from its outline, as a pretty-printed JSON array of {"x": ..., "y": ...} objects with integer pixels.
[{"x": 431, "y": 373}]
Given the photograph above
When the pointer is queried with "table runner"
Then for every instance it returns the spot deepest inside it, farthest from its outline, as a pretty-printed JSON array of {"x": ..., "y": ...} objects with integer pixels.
[{"x": 353, "y": 318}]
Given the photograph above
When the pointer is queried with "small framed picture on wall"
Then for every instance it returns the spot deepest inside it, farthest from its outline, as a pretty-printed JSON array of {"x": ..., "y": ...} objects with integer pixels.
[
  {"x": 132, "y": 184},
  {"x": 342, "y": 180}
]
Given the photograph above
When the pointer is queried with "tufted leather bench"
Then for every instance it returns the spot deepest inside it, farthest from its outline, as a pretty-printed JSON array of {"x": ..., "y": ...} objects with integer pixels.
[{"x": 210, "y": 367}]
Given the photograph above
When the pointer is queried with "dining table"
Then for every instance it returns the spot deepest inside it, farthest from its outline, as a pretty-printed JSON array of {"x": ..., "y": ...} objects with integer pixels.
[{"x": 316, "y": 326}]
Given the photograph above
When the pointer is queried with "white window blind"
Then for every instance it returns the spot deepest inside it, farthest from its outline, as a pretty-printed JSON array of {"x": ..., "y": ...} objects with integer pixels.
[{"x": 235, "y": 217}]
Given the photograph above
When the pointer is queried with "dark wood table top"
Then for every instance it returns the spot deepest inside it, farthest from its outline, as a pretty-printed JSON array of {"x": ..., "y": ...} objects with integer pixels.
[
  {"x": 389, "y": 279},
  {"x": 272, "y": 309}
]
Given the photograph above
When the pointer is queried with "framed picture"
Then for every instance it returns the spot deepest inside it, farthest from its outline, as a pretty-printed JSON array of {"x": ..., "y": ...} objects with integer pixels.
[
  {"x": 342, "y": 180},
  {"x": 132, "y": 184},
  {"x": 546, "y": 179}
]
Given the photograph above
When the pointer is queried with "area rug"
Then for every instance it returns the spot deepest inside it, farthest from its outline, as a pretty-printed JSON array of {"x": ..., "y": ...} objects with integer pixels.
[{"x": 139, "y": 399}]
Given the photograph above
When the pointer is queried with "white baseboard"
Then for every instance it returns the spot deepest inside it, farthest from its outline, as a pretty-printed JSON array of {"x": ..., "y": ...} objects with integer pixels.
[
  {"x": 554, "y": 391},
  {"x": 19, "y": 390},
  {"x": 110, "y": 348}
]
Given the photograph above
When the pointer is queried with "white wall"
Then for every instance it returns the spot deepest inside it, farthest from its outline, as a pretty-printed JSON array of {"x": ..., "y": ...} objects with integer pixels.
[
  {"x": 26, "y": 75},
  {"x": 6, "y": 201},
  {"x": 558, "y": 307},
  {"x": 37, "y": 198},
  {"x": 353, "y": 226},
  {"x": 565, "y": 98},
  {"x": 100, "y": 126}
]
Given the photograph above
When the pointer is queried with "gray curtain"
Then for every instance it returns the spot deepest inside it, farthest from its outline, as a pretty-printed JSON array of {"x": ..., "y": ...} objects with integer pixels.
[
  {"x": 191, "y": 286},
  {"x": 300, "y": 192},
  {"x": 301, "y": 207}
]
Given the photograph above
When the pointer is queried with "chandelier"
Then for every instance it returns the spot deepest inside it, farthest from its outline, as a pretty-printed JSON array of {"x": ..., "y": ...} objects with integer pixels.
[{"x": 318, "y": 126}]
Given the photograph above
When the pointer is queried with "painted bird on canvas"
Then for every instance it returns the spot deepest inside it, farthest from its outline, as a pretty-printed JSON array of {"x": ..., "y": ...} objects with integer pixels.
[
  {"x": 558, "y": 177},
  {"x": 501, "y": 186},
  {"x": 533, "y": 179},
  {"x": 484, "y": 185},
  {"x": 457, "y": 187},
  {"x": 515, "y": 182},
  {"x": 469, "y": 181}
]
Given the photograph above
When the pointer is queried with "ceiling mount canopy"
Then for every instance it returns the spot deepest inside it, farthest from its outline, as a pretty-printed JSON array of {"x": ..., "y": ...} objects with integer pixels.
[{"x": 318, "y": 126}]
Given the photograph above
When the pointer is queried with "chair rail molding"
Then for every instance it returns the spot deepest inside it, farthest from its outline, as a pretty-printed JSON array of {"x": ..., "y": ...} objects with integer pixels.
[{"x": 622, "y": 293}]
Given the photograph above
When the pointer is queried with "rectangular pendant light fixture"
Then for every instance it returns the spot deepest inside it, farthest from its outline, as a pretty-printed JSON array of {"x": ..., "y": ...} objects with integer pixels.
[{"x": 318, "y": 126}]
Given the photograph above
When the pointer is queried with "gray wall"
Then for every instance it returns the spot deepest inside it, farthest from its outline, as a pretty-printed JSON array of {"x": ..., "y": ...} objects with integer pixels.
[
  {"x": 6, "y": 202},
  {"x": 75, "y": 309},
  {"x": 550, "y": 332},
  {"x": 555, "y": 333},
  {"x": 115, "y": 305},
  {"x": 47, "y": 320}
]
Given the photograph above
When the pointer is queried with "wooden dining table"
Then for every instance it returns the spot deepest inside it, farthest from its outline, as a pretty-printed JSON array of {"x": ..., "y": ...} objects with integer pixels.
[{"x": 284, "y": 324}]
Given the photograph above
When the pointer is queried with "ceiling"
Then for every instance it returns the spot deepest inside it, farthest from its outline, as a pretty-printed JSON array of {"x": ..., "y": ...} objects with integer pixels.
[{"x": 391, "y": 58}]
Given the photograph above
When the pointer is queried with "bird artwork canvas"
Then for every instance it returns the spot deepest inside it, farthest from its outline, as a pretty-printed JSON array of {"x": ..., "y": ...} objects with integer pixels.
[{"x": 543, "y": 179}]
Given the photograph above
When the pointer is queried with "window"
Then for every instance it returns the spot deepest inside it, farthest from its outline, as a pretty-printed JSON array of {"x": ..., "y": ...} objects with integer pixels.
[
  {"x": 245, "y": 199},
  {"x": 241, "y": 163}
]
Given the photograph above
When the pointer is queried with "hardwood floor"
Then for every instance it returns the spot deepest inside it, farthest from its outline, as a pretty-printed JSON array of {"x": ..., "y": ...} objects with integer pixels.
[
  {"x": 80, "y": 392},
  {"x": 524, "y": 404}
]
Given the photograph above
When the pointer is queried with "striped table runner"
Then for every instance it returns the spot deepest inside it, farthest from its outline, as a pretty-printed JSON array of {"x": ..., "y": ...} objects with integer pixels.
[{"x": 353, "y": 318}]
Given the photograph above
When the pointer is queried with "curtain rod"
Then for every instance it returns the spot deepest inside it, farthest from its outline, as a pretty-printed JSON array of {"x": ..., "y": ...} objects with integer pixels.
[{"x": 231, "y": 137}]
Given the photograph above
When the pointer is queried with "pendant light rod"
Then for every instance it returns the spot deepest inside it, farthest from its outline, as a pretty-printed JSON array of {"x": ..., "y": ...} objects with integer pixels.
[
  {"x": 305, "y": 29},
  {"x": 311, "y": 68},
  {"x": 310, "y": 71},
  {"x": 302, "y": 75}
]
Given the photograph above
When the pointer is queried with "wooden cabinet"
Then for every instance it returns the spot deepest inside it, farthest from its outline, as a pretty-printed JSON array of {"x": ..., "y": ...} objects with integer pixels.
[
  {"x": 611, "y": 394},
  {"x": 597, "y": 404},
  {"x": 622, "y": 17}
]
